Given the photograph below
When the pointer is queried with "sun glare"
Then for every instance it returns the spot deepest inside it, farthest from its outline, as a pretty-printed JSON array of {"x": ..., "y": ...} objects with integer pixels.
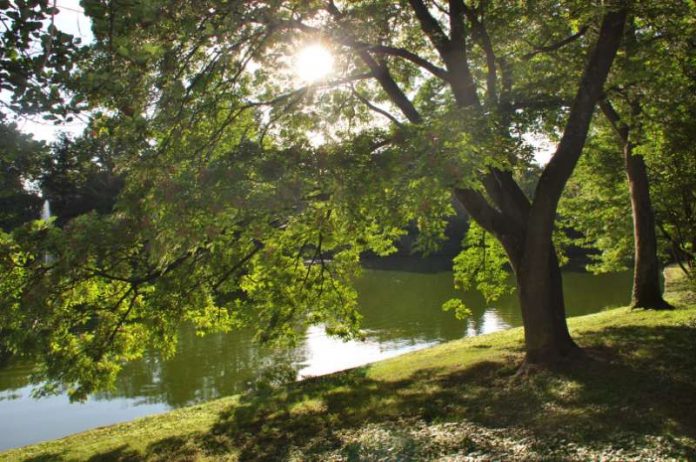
[{"x": 313, "y": 63}]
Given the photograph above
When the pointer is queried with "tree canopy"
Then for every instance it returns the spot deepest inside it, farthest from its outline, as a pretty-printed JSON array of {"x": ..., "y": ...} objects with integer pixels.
[{"x": 231, "y": 212}]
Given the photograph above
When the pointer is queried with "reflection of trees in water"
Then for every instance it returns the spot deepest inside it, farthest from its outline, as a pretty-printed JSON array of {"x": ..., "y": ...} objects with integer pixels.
[
  {"x": 205, "y": 368},
  {"x": 399, "y": 308},
  {"x": 14, "y": 376}
]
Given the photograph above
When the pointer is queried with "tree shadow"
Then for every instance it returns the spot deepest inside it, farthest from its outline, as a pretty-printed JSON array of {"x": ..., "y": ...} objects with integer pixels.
[
  {"x": 635, "y": 380},
  {"x": 120, "y": 454},
  {"x": 52, "y": 457},
  {"x": 633, "y": 387}
]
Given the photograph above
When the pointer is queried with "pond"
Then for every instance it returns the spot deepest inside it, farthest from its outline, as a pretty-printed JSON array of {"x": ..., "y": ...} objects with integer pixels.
[{"x": 402, "y": 312}]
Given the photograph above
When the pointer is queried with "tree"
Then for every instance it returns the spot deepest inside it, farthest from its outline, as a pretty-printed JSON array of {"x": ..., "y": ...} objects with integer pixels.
[
  {"x": 524, "y": 228},
  {"x": 229, "y": 213},
  {"x": 36, "y": 72},
  {"x": 639, "y": 92},
  {"x": 79, "y": 177},
  {"x": 20, "y": 164}
]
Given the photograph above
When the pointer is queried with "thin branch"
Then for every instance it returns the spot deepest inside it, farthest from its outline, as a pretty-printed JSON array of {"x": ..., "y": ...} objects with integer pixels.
[
  {"x": 357, "y": 45},
  {"x": 378, "y": 110},
  {"x": 556, "y": 46},
  {"x": 480, "y": 34},
  {"x": 109, "y": 340},
  {"x": 257, "y": 247},
  {"x": 614, "y": 119},
  {"x": 409, "y": 56}
]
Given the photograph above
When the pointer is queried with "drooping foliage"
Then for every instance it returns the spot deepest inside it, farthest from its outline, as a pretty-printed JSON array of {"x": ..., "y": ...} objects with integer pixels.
[{"x": 232, "y": 214}]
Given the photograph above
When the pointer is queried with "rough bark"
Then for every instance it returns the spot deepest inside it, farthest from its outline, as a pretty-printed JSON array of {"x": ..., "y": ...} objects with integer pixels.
[
  {"x": 547, "y": 339},
  {"x": 647, "y": 290}
]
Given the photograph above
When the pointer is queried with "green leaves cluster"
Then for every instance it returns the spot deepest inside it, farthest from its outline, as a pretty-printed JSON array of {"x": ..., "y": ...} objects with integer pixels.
[
  {"x": 482, "y": 265},
  {"x": 37, "y": 60}
]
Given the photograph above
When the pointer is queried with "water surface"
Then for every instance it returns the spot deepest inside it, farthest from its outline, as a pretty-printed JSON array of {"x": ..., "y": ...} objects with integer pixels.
[{"x": 402, "y": 312}]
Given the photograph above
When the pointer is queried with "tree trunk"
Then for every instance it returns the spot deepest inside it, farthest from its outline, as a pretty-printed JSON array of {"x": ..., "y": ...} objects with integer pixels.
[
  {"x": 540, "y": 294},
  {"x": 647, "y": 292}
]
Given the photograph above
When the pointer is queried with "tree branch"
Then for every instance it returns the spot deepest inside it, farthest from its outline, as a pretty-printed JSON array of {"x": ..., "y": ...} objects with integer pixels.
[
  {"x": 452, "y": 52},
  {"x": 430, "y": 26},
  {"x": 478, "y": 207},
  {"x": 484, "y": 41},
  {"x": 558, "y": 45},
  {"x": 378, "y": 110},
  {"x": 409, "y": 56},
  {"x": 397, "y": 96},
  {"x": 257, "y": 247},
  {"x": 561, "y": 165},
  {"x": 614, "y": 119}
]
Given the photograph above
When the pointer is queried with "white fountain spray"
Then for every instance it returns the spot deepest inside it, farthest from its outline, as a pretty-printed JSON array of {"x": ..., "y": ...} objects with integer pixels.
[
  {"x": 45, "y": 216},
  {"x": 46, "y": 210}
]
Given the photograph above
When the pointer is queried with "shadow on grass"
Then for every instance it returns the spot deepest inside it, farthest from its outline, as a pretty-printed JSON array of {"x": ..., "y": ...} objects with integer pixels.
[{"x": 638, "y": 380}]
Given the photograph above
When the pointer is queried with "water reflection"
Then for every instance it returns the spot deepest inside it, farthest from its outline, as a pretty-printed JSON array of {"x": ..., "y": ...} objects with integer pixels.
[
  {"x": 203, "y": 368},
  {"x": 327, "y": 354},
  {"x": 402, "y": 312}
]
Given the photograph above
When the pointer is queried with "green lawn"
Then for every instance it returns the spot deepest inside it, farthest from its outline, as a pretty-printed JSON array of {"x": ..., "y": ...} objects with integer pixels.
[{"x": 632, "y": 398}]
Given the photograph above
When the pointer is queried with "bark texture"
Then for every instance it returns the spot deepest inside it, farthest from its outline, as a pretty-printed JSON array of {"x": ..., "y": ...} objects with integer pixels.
[{"x": 647, "y": 290}]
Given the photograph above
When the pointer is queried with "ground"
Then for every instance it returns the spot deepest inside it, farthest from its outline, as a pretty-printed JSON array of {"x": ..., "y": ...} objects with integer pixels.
[{"x": 633, "y": 397}]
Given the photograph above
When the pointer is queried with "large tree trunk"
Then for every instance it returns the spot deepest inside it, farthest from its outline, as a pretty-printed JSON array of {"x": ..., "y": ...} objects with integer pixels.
[
  {"x": 647, "y": 291},
  {"x": 546, "y": 335},
  {"x": 547, "y": 339}
]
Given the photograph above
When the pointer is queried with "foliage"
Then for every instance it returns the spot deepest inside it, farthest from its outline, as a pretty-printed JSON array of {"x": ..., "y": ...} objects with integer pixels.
[
  {"x": 596, "y": 204},
  {"x": 482, "y": 265},
  {"x": 651, "y": 86},
  {"x": 36, "y": 59},
  {"x": 669, "y": 152},
  {"x": 20, "y": 166},
  {"x": 230, "y": 213}
]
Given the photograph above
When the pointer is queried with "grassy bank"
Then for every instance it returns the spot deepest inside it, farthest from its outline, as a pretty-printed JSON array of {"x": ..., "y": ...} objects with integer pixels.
[{"x": 632, "y": 398}]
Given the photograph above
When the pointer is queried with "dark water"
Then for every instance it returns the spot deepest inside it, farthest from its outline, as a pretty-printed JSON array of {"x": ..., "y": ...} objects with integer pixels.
[{"x": 401, "y": 313}]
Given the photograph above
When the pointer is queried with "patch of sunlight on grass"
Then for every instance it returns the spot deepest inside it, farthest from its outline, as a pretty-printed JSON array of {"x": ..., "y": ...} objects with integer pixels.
[{"x": 308, "y": 406}]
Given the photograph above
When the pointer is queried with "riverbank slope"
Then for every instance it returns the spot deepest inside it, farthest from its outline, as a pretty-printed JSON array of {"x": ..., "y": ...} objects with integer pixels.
[{"x": 632, "y": 398}]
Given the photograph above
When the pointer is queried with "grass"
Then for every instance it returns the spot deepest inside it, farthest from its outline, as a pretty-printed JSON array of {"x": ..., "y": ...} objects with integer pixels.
[{"x": 632, "y": 398}]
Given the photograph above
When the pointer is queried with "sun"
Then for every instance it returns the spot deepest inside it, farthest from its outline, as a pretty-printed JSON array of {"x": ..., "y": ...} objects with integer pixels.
[{"x": 313, "y": 63}]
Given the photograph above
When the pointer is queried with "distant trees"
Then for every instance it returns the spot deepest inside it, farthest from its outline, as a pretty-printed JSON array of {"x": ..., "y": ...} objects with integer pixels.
[
  {"x": 79, "y": 177},
  {"x": 20, "y": 167}
]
